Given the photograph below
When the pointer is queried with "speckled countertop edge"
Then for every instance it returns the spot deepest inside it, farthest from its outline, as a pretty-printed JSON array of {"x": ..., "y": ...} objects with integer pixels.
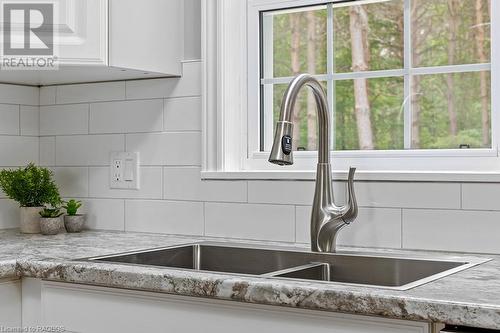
[{"x": 470, "y": 298}]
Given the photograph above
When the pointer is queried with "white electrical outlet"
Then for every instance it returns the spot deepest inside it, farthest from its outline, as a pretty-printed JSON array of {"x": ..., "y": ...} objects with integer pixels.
[
  {"x": 124, "y": 171},
  {"x": 117, "y": 170}
]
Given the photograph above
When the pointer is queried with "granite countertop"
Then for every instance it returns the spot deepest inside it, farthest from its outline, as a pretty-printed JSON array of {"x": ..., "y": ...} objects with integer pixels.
[{"x": 469, "y": 298}]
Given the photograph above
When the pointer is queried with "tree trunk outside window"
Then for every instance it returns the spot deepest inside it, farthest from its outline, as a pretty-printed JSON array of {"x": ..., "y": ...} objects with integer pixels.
[
  {"x": 295, "y": 59},
  {"x": 450, "y": 81},
  {"x": 311, "y": 69},
  {"x": 360, "y": 62},
  {"x": 480, "y": 41}
]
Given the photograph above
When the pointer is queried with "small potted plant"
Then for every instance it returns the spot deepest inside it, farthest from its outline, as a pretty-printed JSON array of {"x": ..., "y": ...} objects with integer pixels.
[
  {"x": 32, "y": 187},
  {"x": 50, "y": 221},
  {"x": 73, "y": 221}
]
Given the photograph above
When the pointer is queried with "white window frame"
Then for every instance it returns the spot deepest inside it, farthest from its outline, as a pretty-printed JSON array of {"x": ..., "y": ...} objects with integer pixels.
[{"x": 231, "y": 89}]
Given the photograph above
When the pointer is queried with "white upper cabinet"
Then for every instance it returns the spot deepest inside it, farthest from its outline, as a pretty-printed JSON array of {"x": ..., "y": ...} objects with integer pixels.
[{"x": 105, "y": 40}]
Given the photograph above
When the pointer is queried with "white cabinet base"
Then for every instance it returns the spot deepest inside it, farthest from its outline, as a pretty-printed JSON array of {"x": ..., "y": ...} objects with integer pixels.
[
  {"x": 94, "y": 309},
  {"x": 76, "y": 74},
  {"x": 10, "y": 303},
  {"x": 31, "y": 302}
]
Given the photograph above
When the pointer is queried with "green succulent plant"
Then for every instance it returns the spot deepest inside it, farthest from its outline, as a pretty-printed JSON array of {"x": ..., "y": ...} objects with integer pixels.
[
  {"x": 51, "y": 213},
  {"x": 30, "y": 186},
  {"x": 72, "y": 206}
]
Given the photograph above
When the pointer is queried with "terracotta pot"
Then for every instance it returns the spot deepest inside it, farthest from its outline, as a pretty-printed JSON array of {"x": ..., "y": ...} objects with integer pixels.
[
  {"x": 50, "y": 225},
  {"x": 30, "y": 220},
  {"x": 74, "y": 223}
]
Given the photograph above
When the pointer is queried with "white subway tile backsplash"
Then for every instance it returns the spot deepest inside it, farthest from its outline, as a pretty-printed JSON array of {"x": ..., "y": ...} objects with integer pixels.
[
  {"x": 30, "y": 120},
  {"x": 14, "y": 94},
  {"x": 451, "y": 230},
  {"x": 48, "y": 95},
  {"x": 127, "y": 116},
  {"x": 9, "y": 214},
  {"x": 18, "y": 150},
  {"x": 167, "y": 217},
  {"x": 48, "y": 151},
  {"x": 181, "y": 183},
  {"x": 249, "y": 221},
  {"x": 94, "y": 92},
  {"x": 81, "y": 124},
  {"x": 290, "y": 192},
  {"x": 87, "y": 150},
  {"x": 183, "y": 148},
  {"x": 64, "y": 119},
  {"x": 408, "y": 195},
  {"x": 182, "y": 114},
  {"x": 481, "y": 196},
  {"x": 374, "y": 227},
  {"x": 72, "y": 182},
  {"x": 150, "y": 184},
  {"x": 281, "y": 192},
  {"x": 187, "y": 85},
  {"x": 9, "y": 119},
  {"x": 104, "y": 214}
]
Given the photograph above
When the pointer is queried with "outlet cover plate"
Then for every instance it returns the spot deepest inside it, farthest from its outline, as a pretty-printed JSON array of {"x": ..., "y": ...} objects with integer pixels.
[{"x": 124, "y": 171}]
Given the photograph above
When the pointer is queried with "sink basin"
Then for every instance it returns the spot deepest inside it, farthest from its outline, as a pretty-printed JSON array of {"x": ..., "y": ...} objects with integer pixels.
[{"x": 360, "y": 269}]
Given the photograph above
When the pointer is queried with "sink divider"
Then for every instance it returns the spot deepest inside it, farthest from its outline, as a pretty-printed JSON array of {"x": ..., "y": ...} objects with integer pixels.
[{"x": 326, "y": 269}]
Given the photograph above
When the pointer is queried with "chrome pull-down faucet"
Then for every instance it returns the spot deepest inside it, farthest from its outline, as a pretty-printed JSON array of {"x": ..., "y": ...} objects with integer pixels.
[{"x": 327, "y": 219}]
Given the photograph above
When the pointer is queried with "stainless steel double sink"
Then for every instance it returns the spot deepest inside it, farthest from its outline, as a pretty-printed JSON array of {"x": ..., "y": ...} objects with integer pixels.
[{"x": 360, "y": 269}]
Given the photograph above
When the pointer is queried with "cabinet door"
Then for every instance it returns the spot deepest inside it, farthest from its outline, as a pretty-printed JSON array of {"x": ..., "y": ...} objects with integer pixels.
[
  {"x": 10, "y": 303},
  {"x": 95, "y": 309},
  {"x": 81, "y": 32}
]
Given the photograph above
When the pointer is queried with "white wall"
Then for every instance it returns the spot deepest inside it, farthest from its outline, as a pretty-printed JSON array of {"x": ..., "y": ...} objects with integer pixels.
[{"x": 81, "y": 124}]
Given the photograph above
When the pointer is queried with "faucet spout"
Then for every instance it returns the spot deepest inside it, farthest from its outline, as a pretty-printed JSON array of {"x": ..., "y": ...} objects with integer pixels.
[{"x": 327, "y": 219}]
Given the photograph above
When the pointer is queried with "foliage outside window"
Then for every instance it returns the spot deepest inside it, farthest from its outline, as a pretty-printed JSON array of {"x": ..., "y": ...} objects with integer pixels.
[{"x": 396, "y": 78}]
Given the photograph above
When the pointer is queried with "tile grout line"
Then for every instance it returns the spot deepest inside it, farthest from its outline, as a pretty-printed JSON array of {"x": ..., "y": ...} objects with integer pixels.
[
  {"x": 117, "y": 100},
  {"x": 19, "y": 119},
  {"x": 295, "y": 226},
  {"x": 122, "y": 133},
  {"x": 461, "y": 197},
  {"x": 124, "y": 214},
  {"x": 204, "y": 218},
  {"x": 88, "y": 182},
  {"x": 88, "y": 119},
  {"x": 402, "y": 226},
  {"x": 162, "y": 183},
  {"x": 163, "y": 115},
  {"x": 55, "y": 151}
]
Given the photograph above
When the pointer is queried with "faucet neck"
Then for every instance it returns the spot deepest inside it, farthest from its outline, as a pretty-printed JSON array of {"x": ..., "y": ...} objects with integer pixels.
[
  {"x": 288, "y": 108},
  {"x": 326, "y": 218}
]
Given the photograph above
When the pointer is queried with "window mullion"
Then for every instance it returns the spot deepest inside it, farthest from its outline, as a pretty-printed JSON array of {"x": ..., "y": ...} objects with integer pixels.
[
  {"x": 495, "y": 78},
  {"x": 407, "y": 78},
  {"x": 267, "y": 91},
  {"x": 330, "y": 38}
]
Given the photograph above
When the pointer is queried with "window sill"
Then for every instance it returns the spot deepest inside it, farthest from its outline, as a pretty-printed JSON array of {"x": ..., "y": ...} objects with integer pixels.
[{"x": 386, "y": 176}]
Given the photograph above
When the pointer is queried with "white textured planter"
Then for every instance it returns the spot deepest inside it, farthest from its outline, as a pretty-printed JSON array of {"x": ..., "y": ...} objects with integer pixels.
[
  {"x": 74, "y": 223},
  {"x": 30, "y": 220},
  {"x": 50, "y": 226}
]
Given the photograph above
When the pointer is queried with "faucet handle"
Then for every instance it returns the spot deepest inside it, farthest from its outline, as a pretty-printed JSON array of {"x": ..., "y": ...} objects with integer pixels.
[
  {"x": 350, "y": 177},
  {"x": 351, "y": 209}
]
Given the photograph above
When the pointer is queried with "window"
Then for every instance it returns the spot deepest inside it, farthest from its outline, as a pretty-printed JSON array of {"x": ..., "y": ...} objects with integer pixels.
[
  {"x": 400, "y": 75},
  {"x": 410, "y": 85}
]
